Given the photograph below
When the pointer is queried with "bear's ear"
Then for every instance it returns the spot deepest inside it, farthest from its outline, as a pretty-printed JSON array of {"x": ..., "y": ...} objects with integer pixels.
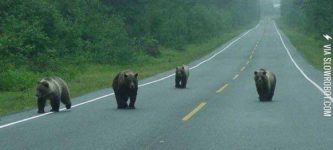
[
  {"x": 264, "y": 72},
  {"x": 255, "y": 72},
  {"x": 46, "y": 84},
  {"x": 125, "y": 75},
  {"x": 136, "y": 75}
]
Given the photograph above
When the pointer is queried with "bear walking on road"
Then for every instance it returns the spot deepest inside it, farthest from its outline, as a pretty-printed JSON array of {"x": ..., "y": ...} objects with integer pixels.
[
  {"x": 125, "y": 86},
  {"x": 181, "y": 77},
  {"x": 55, "y": 89},
  {"x": 265, "y": 83}
]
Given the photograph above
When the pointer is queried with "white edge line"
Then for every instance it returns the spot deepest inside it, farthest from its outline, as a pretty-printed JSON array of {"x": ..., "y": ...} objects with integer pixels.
[
  {"x": 223, "y": 49},
  {"x": 141, "y": 85},
  {"x": 296, "y": 65}
]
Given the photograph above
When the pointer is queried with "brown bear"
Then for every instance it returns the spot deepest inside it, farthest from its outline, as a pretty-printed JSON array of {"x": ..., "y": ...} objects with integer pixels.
[
  {"x": 125, "y": 85},
  {"x": 181, "y": 76},
  {"x": 55, "y": 89},
  {"x": 265, "y": 83}
]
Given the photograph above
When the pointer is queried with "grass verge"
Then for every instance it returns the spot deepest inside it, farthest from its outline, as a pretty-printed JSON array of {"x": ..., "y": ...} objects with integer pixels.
[
  {"x": 97, "y": 76},
  {"x": 310, "y": 48}
]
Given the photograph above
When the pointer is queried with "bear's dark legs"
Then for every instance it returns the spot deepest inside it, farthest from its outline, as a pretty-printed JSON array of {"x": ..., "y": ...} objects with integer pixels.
[
  {"x": 265, "y": 97},
  {"x": 121, "y": 101},
  {"x": 125, "y": 99},
  {"x": 132, "y": 102},
  {"x": 55, "y": 104},
  {"x": 68, "y": 106},
  {"x": 177, "y": 81},
  {"x": 272, "y": 92},
  {"x": 270, "y": 97},
  {"x": 180, "y": 82},
  {"x": 123, "y": 106},
  {"x": 118, "y": 99},
  {"x": 262, "y": 97},
  {"x": 184, "y": 82},
  {"x": 65, "y": 99},
  {"x": 41, "y": 105}
]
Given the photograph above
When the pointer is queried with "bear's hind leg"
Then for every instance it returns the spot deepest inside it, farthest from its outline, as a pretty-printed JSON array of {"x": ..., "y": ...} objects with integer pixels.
[
  {"x": 271, "y": 96},
  {"x": 55, "y": 103},
  {"x": 184, "y": 83},
  {"x": 65, "y": 99},
  {"x": 41, "y": 105}
]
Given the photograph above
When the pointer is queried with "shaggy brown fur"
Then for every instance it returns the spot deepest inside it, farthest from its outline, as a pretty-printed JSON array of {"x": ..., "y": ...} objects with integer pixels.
[
  {"x": 55, "y": 89},
  {"x": 265, "y": 83},
  {"x": 125, "y": 86},
  {"x": 181, "y": 77}
]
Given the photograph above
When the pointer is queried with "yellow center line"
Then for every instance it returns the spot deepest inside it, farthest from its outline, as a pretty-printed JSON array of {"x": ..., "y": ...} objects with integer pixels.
[
  {"x": 194, "y": 111},
  {"x": 235, "y": 77},
  {"x": 242, "y": 69},
  {"x": 222, "y": 88},
  {"x": 247, "y": 62}
]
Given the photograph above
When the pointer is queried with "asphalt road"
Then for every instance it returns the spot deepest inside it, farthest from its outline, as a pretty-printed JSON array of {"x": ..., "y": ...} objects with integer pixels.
[{"x": 218, "y": 110}]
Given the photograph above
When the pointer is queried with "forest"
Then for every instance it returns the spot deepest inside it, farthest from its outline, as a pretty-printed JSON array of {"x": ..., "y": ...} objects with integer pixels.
[
  {"x": 312, "y": 17},
  {"x": 46, "y": 37},
  {"x": 305, "y": 22}
]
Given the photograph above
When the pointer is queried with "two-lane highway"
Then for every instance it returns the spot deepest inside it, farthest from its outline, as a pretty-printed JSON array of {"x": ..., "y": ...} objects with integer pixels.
[{"x": 218, "y": 110}]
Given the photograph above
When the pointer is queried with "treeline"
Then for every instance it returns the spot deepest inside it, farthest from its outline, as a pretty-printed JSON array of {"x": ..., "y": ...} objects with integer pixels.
[
  {"x": 43, "y": 37},
  {"x": 313, "y": 17}
]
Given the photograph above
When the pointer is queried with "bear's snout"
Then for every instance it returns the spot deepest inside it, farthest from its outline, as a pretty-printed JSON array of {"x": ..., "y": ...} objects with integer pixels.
[{"x": 132, "y": 85}]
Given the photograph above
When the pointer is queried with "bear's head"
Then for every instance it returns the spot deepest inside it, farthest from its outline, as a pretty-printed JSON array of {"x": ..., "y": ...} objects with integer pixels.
[
  {"x": 43, "y": 89},
  {"x": 180, "y": 71},
  {"x": 260, "y": 76},
  {"x": 131, "y": 80}
]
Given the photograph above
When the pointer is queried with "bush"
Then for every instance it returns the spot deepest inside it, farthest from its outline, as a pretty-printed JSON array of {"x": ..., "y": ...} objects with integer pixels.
[
  {"x": 149, "y": 45},
  {"x": 57, "y": 37},
  {"x": 17, "y": 80}
]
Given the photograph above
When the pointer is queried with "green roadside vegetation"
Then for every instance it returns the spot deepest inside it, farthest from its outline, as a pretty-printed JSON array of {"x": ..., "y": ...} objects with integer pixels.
[
  {"x": 86, "y": 42},
  {"x": 310, "y": 47},
  {"x": 305, "y": 23},
  {"x": 99, "y": 76}
]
